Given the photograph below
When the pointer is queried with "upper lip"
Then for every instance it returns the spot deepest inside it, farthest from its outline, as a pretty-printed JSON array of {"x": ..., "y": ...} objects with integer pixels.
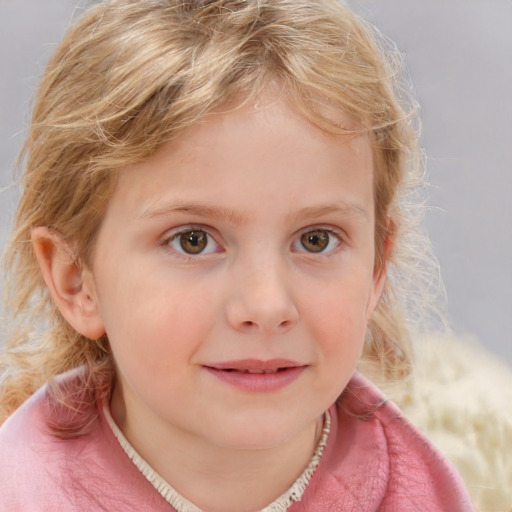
[{"x": 255, "y": 364}]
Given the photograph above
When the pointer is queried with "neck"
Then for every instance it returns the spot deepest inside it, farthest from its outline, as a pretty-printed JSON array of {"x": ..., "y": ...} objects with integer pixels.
[
  {"x": 216, "y": 478},
  {"x": 230, "y": 481}
]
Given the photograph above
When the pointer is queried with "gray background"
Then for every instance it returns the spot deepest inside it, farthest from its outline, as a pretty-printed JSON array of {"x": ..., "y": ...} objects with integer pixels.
[{"x": 459, "y": 55}]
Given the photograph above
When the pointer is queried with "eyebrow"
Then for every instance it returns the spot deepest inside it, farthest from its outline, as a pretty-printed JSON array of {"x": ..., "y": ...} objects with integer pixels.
[
  {"x": 200, "y": 210},
  {"x": 342, "y": 207},
  {"x": 234, "y": 217}
]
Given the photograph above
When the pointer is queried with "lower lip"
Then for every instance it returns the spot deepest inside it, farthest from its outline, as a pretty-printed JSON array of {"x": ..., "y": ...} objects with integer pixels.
[{"x": 258, "y": 382}]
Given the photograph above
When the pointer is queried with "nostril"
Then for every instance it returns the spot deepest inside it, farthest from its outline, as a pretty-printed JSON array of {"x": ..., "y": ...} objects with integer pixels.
[{"x": 249, "y": 324}]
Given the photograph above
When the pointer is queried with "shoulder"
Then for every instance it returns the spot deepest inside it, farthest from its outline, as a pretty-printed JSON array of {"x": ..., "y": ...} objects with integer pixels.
[
  {"x": 30, "y": 456},
  {"x": 375, "y": 460},
  {"x": 46, "y": 468},
  {"x": 35, "y": 471},
  {"x": 418, "y": 473}
]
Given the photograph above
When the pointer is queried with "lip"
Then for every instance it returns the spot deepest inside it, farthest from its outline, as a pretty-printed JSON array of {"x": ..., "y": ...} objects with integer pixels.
[{"x": 257, "y": 376}]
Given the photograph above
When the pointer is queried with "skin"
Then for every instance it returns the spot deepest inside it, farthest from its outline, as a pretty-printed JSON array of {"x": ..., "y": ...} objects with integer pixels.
[{"x": 251, "y": 181}]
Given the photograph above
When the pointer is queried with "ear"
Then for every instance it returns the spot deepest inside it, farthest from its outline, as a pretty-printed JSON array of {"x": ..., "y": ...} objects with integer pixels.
[
  {"x": 380, "y": 274},
  {"x": 71, "y": 286}
]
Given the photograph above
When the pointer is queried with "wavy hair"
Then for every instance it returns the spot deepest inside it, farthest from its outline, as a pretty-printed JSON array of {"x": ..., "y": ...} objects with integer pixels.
[{"x": 131, "y": 75}]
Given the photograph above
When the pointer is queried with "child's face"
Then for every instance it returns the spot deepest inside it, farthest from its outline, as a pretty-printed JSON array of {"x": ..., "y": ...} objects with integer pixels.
[{"x": 247, "y": 243}]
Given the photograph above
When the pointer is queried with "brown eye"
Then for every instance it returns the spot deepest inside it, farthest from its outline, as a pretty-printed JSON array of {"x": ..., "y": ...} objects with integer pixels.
[
  {"x": 193, "y": 242},
  {"x": 315, "y": 241}
]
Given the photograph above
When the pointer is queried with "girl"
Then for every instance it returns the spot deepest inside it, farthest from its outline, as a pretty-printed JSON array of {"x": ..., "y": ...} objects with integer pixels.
[{"x": 214, "y": 218}]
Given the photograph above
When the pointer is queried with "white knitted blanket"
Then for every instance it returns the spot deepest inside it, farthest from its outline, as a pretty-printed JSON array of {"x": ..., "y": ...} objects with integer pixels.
[{"x": 460, "y": 396}]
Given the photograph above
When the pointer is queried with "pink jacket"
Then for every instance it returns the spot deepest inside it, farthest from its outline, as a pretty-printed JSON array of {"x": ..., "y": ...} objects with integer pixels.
[{"x": 374, "y": 461}]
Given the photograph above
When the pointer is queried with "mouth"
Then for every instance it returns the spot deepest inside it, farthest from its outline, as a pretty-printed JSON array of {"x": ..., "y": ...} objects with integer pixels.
[
  {"x": 254, "y": 375},
  {"x": 275, "y": 370}
]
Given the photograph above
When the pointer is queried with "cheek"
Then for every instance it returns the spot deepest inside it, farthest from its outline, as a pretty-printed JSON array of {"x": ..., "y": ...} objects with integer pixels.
[
  {"x": 338, "y": 317},
  {"x": 153, "y": 324},
  {"x": 342, "y": 336},
  {"x": 339, "y": 333}
]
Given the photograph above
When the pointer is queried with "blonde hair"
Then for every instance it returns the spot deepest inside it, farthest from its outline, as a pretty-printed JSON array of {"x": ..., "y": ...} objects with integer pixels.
[{"x": 129, "y": 76}]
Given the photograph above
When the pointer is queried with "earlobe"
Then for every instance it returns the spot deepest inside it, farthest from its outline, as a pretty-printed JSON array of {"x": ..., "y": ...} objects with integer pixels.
[{"x": 70, "y": 285}]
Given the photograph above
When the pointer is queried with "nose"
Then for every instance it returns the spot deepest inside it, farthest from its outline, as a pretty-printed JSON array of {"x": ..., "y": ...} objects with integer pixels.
[{"x": 262, "y": 300}]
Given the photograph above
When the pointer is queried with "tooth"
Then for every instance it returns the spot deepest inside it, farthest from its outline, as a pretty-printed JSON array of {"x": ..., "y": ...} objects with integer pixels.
[{"x": 262, "y": 371}]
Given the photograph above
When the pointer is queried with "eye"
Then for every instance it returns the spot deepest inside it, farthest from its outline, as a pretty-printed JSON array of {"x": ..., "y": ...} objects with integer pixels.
[
  {"x": 317, "y": 241},
  {"x": 193, "y": 241}
]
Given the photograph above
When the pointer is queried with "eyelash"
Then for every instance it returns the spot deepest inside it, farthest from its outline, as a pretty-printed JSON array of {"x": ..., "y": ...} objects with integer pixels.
[
  {"x": 174, "y": 237},
  {"x": 331, "y": 232}
]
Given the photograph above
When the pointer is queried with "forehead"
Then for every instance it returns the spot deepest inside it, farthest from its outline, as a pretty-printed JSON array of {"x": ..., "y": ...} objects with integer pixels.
[{"x": 255, "y": 153}]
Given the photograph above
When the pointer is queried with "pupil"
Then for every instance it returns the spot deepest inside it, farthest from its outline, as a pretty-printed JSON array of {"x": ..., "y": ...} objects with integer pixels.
[
  {"x": 193, "y": 242},
  {"x": 315, "y": 241}
]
